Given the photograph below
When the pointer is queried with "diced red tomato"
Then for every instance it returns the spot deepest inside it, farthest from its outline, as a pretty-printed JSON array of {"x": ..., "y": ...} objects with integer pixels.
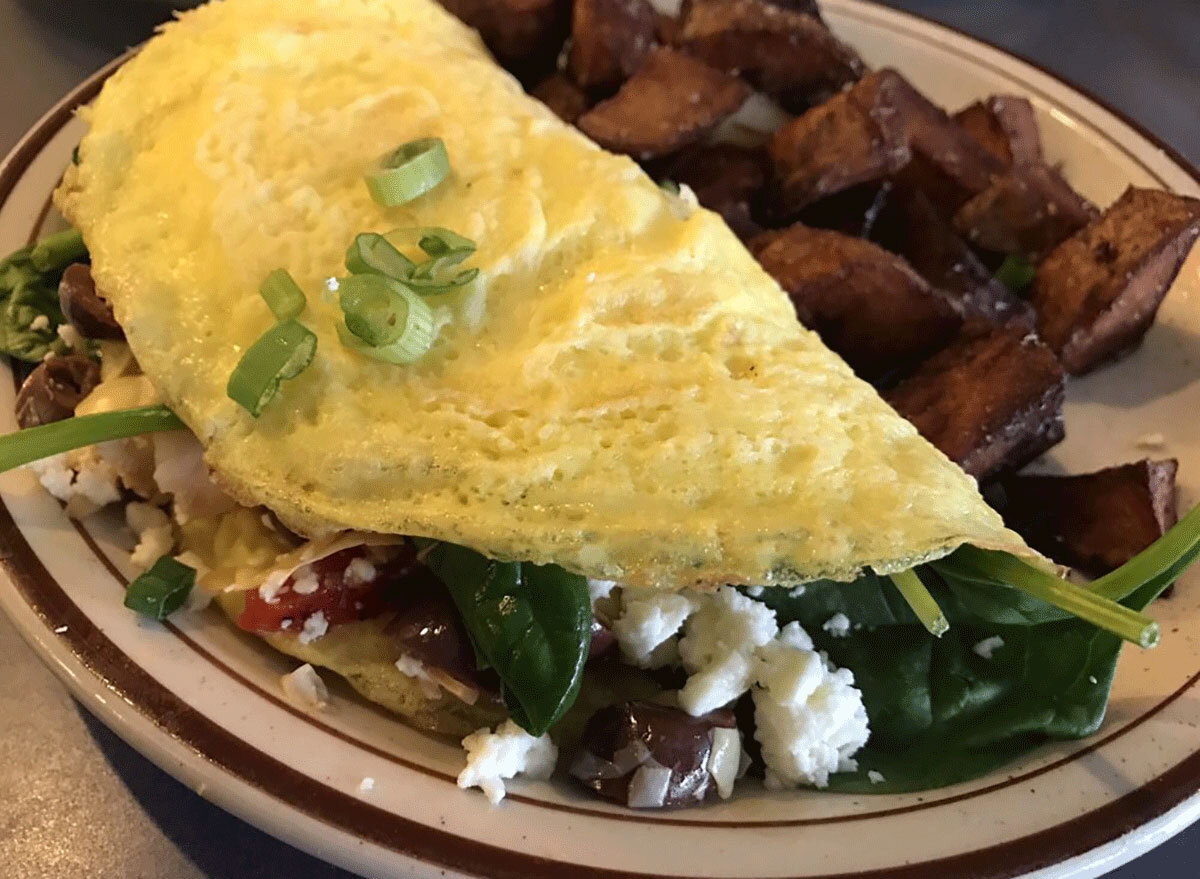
[{"x": 339, "y": 598}]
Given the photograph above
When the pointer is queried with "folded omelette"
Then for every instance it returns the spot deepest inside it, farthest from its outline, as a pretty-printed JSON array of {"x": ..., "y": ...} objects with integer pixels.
[{"x": 623, "y": 391}]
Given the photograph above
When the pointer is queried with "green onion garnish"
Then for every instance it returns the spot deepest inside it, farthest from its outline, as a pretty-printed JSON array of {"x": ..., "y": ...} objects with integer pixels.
[
  {"x": 921, "y": 602},
  {"x": 162, "y": 589},
  {"x": 376, "y": 308},
  {"x": 409, "y": 171},
  {"x": 1160, "y": 563},
  {"x": 282, "y": 352},
  {"x": 439, "y": 242},
  {"x": 1016, "y": 272},
  {"x": 372, "y": 253},
  {"x": 35, "y": 443},
  {"x": 430, "y": 286},
  {"x": 1008, "y": 570},
  {"x": 384, "y": 319},
  {"x": 669, "y": 186},
  {"x": 56, "y": 252},
  {"x": 283, "y": 295}
]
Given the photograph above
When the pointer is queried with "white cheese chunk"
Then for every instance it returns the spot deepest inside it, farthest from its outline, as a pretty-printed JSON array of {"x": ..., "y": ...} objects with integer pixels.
[
  {"x": 305, "y": 687},
  {"x": 988, "y": 646},
  {"x": 810, "y": 718},
  {"x": 649, "y": 619},
  {"x": 493, "y": 757},
  {"x": 837, "y": 625},
  {"x": 155, "y": 534},
  {"x": 415, "y": 669},
  {"x": 717, "y": 645},
  {"x": 314, "y": 627}
]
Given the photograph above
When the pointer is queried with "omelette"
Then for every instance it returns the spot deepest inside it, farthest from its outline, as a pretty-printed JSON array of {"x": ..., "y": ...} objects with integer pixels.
[{"x": 619, "y": 399}]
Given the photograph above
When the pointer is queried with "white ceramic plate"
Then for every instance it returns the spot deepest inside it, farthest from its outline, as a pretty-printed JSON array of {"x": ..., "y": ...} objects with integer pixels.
[{"x": 203, "y": 701}]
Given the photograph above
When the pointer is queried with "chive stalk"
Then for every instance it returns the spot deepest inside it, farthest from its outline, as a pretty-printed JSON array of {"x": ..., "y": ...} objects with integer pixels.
[
  {"x": 921, "y": 602},
  {"x": 45, "y": 440}
]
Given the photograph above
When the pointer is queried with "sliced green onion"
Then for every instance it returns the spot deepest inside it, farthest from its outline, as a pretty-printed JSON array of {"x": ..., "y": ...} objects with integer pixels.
[
  {"x": 282, "y": 352},
  {"x": 413, "y": 319},
  {"x": 376, "y": 308},
  {"x": 75, "y": 154},
  {"x": 669, "y": 186},
  {"x": 372, "y": 253},
  {"x": 409, "y": 171},
  {"x": 56, "y": 252},
  {"x": 1097, "y": 609},
  {"x": 921, "y": 602},
  {"x": 283, "y": 295},
  {"x": 35, "y": 443},
  {"x": 1016, "y": 272},
  {"x": 429, "y": 286},
  {"x": 161, "y": 590},
  {"x": 438, "y": 242}
]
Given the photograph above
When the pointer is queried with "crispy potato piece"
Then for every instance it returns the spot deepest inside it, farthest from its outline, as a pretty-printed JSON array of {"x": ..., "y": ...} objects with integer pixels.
[
  {"x": 727, "y": 179},
  {"x": 991, "y": 401},
  {"x": 671, "y": 102},
  {"x": 833, "y": 147},
  {"x": 566, "y": 99},
  {"x": 909, "y": 225},
  {"x": 524, "y": 35},
  {"x": 666, "y": 28},
  {"x": 786, "y": 53},
  {"x": 609, "y": 40},
  {"x": 853, "y": 211},
  {"x": 1094, "y": 522},
  {"x": 1097, "y": 293},
  {"x": 1028, "y": 210},
  {"x": 1005, "y": 126},
  {"x": 868, "y": 305}
]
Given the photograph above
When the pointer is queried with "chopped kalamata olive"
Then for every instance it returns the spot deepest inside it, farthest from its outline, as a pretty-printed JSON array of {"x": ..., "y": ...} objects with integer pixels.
[
  {"x": 54, "y": 389},
  {"x": 83, "y": 307},
  {"x": 603, "y": 640},
  {"x": 649, "y": 756},
  {"x": 431, "y": 631}
]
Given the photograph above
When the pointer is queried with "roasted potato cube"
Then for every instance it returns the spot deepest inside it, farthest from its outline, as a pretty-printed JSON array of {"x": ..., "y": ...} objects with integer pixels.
[
  {"x": 1094, "y": 522},
  {"x": 909, "y": 225},
  {"x": 1005, "y": 126},
  {"x": 727, "y": 179},
  {"x": 853, "y": 211},
  {"x": 785, "y": 53},
  {"x": 990, "y": 401},
  {"x": 1097, "y": 293},
  {"x": 609, "y": 41},
  {"x": 524, "y": 35},
  {"x": 868, "y": 305},
  {"x": 1028, "y": 211},
  {"x": 833, "y": 147},
  {"x": 566, "y": 99},
  {"x": 671, "y": 102}
]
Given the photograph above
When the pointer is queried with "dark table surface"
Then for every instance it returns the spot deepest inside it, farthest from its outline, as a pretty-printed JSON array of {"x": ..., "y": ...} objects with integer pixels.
[{"x": 75, "y": 801}]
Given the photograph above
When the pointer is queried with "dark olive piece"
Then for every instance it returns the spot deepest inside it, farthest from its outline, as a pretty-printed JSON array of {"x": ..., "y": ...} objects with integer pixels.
[
  {"x": 430, "y": 630},
  {"x": 629, "y": 738},
  {"x": 83, "y": 307},
  {"x": 54, "y": 389}
]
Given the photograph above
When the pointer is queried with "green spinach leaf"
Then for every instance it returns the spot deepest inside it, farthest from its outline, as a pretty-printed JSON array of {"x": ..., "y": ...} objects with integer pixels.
[
  {"x": 532, "y": 623},
  {"x": 26, "y": 293}
]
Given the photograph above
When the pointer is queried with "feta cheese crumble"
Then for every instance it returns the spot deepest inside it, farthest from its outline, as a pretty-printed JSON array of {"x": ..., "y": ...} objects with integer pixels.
[
  {"x": 305, "y": 582},
  {"x": 716, "y": 648},
  {"x": 314, "y": 627},
  {"x": 875, "y": 777},
  {"x": 305, "y": 687},
  {"x": 358, "y": 572},
  {"x": 412, "y": 667},
  {"x": 81, "y": 479},
  {"x": 809, "y": 716},
  {"x": 837, "y": 625},
  {"x": 646, "y": 629},
  {"x": 988, "y": 646},
  {"x": 366, "y": 785},
  {"x": 41, "y": 322},
  {"x": 493, "y": 757}
]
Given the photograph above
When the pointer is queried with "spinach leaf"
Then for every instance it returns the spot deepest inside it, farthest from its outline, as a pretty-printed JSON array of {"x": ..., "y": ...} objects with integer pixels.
[
  {"x": 532, "y": 623},
  {"x": 25, "y": 295},
  {"x": 940, "y": 712}
]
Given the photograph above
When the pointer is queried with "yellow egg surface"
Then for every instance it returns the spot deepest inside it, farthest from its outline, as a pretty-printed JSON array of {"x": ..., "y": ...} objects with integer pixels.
[{"x": 623, "y": 391}]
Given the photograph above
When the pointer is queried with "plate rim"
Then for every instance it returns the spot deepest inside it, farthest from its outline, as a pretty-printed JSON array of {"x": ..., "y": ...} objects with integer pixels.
[{"x": 1172, "y": 798}]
